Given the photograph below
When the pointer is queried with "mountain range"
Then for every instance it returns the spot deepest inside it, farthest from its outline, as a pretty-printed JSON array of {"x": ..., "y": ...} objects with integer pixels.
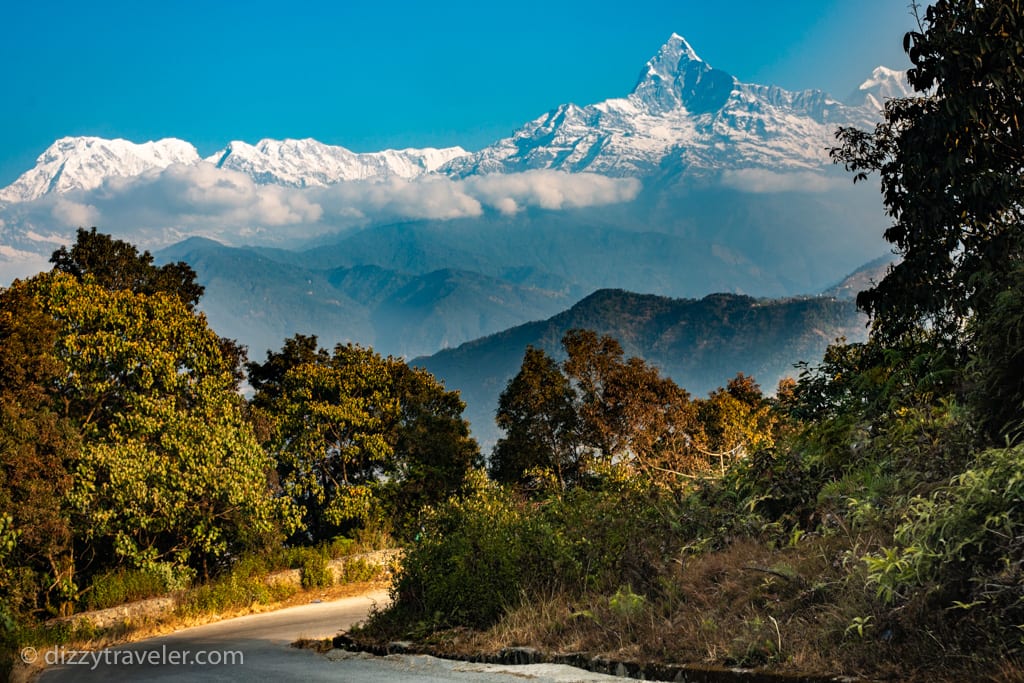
[
  {"x": 691, "y": 184},
  {"x": 682, "y": 116}
]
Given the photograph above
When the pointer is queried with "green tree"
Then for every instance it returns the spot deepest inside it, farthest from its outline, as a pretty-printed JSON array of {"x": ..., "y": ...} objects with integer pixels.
[
  {"x": 332, "y": 442},
  {"x": 116, "y": 264},
  {"x": 950, "y": 163},
  {"x": 537, "y": 412},
  {"x": 358, "y": 439},
  {"x": 168, "y": 469},
  {"x": 38, "y": 453},
  {"x": 738, "y": 420},
  {"x": 433, "y": 452}
]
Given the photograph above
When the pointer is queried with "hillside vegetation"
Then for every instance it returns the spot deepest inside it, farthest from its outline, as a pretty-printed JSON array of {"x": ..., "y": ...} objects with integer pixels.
[{"x": 131, "y": 466}]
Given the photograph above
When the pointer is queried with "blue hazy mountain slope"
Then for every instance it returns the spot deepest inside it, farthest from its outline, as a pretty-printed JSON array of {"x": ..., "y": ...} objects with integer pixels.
[
  {"x": 261, "y": 301},
  {"x": 701, "y": 343}
]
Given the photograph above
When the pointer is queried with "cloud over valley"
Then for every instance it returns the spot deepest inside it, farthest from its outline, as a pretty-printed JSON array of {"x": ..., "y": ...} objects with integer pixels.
[{"x": 161, "y": 206}]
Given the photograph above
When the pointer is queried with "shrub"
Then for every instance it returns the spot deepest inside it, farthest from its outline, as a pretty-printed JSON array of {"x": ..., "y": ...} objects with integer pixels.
[
  {"x": 481, "y": 554},
  {"x": 356, "y": 570},
  {"x": 315, "y": 572},
  {"x": 970, "y": 529},
  {"x": 232, "y": 591},
  {"x": 121, "y": 586}
]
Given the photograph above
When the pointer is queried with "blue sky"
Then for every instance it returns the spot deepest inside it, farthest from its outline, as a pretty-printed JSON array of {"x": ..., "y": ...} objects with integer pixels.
[{"x": 375, "y": 74}]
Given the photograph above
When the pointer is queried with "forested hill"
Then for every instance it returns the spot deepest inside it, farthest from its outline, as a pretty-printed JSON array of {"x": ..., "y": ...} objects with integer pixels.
[{"x": 700, "y": 343}]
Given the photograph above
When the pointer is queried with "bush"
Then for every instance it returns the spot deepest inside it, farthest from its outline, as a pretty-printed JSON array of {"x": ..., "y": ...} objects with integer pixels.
[
  {"x": 482, "y": 554},
  {"x": 230, "y": 592},
  {"x": 121, "y": 586},
  {"x": 315, "y": 572},
  {"x": 971, "y": 529},
  {"x": 356, "y": 570}
]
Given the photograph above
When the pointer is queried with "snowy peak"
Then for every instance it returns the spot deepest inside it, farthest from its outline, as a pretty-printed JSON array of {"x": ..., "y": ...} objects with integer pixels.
[
  {"x": 884, "y": 84},
  {"x": 677, "y": 77},
  {"x": 683, "y": 117},
  {"x": 83, "y": 163},
  {"x": 306, "y": 163}
]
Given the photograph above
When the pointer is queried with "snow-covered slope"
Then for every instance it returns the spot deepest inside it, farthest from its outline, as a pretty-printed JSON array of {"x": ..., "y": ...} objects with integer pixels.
[
  {"x": 884, "y": 84},
  {"x": 304, "y": 163},
  {"x": 683, "y": 114},
  {"x": 83, "y": 163}
]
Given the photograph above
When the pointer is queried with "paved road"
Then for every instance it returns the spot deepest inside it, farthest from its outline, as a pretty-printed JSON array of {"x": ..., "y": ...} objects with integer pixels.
[
  {"x": 256, "y": 649},
  {"x": 252, "y": 649}
]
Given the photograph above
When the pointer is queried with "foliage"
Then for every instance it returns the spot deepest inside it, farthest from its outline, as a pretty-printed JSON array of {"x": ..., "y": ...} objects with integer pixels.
[
  {"x": 889, "y": 476},
  {"x": 737, "y": 420},
  {"x": 595, "y": 411},
  {"x": 231, "y": 591},
  {"x": 118, "y": 265},
  {"x": 487, "y": 551},
  {"x": 126, "y": 585},
  {"x": 950, "y": 163},
  {"x": 315, "y": 572},
  {"x": 360, "y": 441},
  {"x": 433, "y": 452},
  {"x": 357, "y": 570},
  {"x": 122, "y": 443},
  {"x": 38, "y": 453},
  {"x": 968, "y": 530},
  {"x": 996, "y": 370},
  {"x": 168, "y": 467},
  {"x": 332, "y": 442},
  {"x": 537, "y": 413}
]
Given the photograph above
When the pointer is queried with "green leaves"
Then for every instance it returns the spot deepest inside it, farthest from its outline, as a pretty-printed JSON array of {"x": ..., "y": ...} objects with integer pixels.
[
  {"x": 950, "y": 164},
  {"x": 333, "y": 416},
  {"x": 168, "y": 468},
  {"x": 357, "y": 437}
]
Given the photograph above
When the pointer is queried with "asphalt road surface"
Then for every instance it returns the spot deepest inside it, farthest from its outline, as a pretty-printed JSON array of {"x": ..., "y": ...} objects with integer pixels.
[{"x": 257, "y": 649}]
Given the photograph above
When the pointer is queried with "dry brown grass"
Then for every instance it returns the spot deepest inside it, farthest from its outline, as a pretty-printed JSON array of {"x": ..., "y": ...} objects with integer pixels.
[{"x": 791, "y": 609}]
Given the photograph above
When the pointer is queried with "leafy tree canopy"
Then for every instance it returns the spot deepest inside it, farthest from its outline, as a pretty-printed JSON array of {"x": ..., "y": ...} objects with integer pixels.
[
  {"x": 950, "y": 163},
  {"x": 167, "y": 468},
  {"x": 358, "y": 439},
  {"x": 116, "y": 264}
]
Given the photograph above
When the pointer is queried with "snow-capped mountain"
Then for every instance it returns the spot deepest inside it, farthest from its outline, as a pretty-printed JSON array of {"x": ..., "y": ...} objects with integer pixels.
[
  {"x": 682, "y": 117},
  {"x": 682, "y": 114},
  {"x": 885, "y": 83},
  {"x": 305, "y": 163},
  {"x": 83, "y": 163}
]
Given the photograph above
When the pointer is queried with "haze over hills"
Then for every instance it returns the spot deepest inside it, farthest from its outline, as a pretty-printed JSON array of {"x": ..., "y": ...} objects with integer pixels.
[{"x": 261, "y": 302}]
